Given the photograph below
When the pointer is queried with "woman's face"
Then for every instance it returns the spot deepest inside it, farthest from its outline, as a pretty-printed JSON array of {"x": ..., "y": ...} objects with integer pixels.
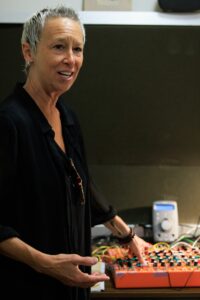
[{"x": 59, "y": 56}]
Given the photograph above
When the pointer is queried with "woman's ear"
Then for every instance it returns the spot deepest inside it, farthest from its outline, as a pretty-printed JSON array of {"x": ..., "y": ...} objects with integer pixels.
[{"x": 27, "y": 53}]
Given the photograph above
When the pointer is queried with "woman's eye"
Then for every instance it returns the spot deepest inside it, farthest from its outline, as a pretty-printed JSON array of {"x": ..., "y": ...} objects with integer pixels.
[
  {"x": 59, "y": 47},
  {"x": 78, "y": 49}
]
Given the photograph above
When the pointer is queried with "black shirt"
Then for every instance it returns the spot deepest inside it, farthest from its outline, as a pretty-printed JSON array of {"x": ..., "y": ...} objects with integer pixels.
[{"x": 39, "y": 196}]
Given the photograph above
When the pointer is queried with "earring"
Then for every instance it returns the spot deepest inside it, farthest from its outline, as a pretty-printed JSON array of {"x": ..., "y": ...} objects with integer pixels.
[{"x": 28, "y": 63}]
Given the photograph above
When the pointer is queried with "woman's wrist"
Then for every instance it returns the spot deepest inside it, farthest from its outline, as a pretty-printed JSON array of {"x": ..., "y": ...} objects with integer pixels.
[
  {"x": 120, "y": 230},
  {"x": 128, "y": 238}
]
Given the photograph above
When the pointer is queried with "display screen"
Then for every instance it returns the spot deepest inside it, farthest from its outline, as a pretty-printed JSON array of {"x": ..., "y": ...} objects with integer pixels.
[{"x": 164, "y": 207}]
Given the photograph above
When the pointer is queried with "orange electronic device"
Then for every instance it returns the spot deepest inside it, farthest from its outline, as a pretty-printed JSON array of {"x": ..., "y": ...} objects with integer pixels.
[{"x": 165, "y": 267}]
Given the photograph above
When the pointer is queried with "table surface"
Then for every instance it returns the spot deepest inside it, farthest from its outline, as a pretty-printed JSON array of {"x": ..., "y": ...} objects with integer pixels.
[{"x": 112, "y": 293}]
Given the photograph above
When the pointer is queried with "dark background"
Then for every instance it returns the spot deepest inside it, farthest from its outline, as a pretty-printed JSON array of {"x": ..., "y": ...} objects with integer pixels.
[{"x": 138, "y": 101}]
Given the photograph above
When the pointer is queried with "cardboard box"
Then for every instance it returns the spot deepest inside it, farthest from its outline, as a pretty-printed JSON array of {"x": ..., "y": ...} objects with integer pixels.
[{"x": 107, "y": 5}]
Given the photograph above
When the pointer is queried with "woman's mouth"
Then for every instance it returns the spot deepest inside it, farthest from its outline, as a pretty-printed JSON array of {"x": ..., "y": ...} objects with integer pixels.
[{"x": 66, "y": 74}]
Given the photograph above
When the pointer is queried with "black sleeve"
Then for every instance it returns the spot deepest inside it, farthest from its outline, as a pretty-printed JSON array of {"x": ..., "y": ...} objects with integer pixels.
[
  {"x": 101, "y": 210},
  {"x": 8, "y": 154},
  {"x": 7, "y": 232}
]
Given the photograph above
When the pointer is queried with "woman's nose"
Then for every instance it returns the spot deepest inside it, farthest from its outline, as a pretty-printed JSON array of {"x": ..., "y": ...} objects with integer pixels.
[{"x": 69, "y": 57}]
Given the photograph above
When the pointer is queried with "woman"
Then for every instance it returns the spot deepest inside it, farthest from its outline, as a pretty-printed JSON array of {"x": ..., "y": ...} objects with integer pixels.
[{"x": 48, "y": 201}]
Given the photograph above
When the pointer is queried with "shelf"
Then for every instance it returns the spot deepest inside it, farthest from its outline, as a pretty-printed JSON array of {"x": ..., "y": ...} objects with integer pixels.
[
  {"x": 139, "y": 18},
  {"x": 119, "y": 18}
]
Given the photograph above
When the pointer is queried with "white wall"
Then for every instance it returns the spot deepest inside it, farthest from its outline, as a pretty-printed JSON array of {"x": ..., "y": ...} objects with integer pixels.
[
  {"x": 144, "y": 5},
  {"x": 145, "y": 12},
  {"x": 18, "y": 10}
]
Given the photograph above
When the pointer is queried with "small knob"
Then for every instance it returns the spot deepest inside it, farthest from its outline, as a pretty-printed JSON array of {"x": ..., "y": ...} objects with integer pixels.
[{"x": 165, "y": 225}]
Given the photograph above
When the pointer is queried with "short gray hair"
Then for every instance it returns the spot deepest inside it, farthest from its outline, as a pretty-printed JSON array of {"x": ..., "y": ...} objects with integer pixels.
[{"x": 32, "y": 28}]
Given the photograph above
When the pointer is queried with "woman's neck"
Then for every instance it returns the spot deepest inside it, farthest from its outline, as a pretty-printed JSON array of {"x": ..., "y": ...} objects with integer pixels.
[{"x": 45, "y": 102}]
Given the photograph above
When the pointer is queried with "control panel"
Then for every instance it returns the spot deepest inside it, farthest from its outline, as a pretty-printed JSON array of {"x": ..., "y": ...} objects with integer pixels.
[{"x": 166, "y": 266}]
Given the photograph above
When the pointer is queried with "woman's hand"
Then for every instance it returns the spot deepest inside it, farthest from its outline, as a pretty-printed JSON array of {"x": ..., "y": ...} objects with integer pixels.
[
  {"x": 65, "y": 268},
  {"x": 121, "y": 230},
  {"x": 137, "y": 247}
]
